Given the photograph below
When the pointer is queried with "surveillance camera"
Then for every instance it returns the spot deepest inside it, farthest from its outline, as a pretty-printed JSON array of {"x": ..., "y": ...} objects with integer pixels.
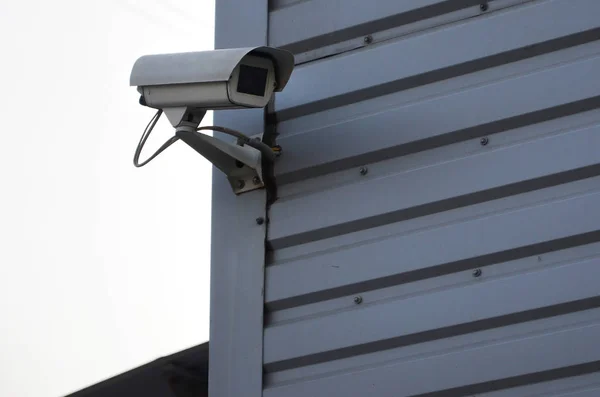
[
  {"x": 219, "y": 79},
  {"x": 185, "y": 85}
]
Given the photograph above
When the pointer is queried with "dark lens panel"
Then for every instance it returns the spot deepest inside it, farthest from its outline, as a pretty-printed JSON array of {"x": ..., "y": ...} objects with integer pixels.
[{"x": 253, "y": 80}]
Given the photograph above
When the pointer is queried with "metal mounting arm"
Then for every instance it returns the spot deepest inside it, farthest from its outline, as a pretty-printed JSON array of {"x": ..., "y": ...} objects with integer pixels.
[{"x": 241, "y": 164}]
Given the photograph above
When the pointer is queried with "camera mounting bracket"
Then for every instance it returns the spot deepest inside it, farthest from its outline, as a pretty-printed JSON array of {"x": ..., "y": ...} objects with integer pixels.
[{"x": 240, "y": 162}]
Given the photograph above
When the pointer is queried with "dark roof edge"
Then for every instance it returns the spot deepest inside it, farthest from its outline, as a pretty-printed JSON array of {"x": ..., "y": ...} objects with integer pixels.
[{"x": 193, "y": 361}]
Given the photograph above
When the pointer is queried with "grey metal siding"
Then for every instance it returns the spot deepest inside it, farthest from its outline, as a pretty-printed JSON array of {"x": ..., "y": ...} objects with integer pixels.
[
  {"x": 237, "y": 242},
  {"x": 437, "y": 227}
]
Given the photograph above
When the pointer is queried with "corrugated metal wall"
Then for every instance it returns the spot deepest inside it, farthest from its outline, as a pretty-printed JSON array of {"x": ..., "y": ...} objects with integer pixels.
[{"x": 437, "y": 230}]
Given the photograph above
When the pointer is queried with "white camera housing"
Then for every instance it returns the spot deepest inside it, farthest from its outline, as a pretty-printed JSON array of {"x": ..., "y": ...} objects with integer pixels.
[
  {"x": 186, "y": 85},
  {"x": 211, "y": 80}
]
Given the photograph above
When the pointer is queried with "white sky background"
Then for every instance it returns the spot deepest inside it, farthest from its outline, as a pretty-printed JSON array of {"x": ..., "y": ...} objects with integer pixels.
[{"x": 104, "y": 267}]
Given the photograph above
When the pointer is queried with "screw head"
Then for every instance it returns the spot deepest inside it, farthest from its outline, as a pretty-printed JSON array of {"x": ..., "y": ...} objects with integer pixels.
[
  {"x": 477, "y": 273},
  {"x": 240, "y": 184},
  {"x": 364, "y": 171},
  {"x": 368, "y": 39},
  {"x": 256, "y": 180},
  {"x": 260, "y": 220},
  {"x": 358, "y": 299},
  {"x": 484, "y": 141},
  {"x": 484, "y": 7}
]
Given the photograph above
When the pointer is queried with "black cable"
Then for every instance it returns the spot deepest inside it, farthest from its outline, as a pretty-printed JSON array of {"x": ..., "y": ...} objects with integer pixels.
[
  {"x": 144, "y": 138},
  {"x": 227, "y": 131},
  {"x": 267, "y": 151},
  {"x": 257, "y": 144}
]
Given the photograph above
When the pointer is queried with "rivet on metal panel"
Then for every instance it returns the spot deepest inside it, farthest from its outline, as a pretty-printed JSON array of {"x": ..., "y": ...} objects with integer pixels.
[
  {"x": 484, "y": 141},
  {"x": 368, "y": 39},
  {"x": 260, "y": 221},
  {"x": 256, "y": 180},
  {"x": 364, "y": 171},
  {"x": 241, "y": 184},
  {"x": 358, "y": 300},
  {"x": 484, "y": 7},
  {"x": 477, "y": 273}
]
